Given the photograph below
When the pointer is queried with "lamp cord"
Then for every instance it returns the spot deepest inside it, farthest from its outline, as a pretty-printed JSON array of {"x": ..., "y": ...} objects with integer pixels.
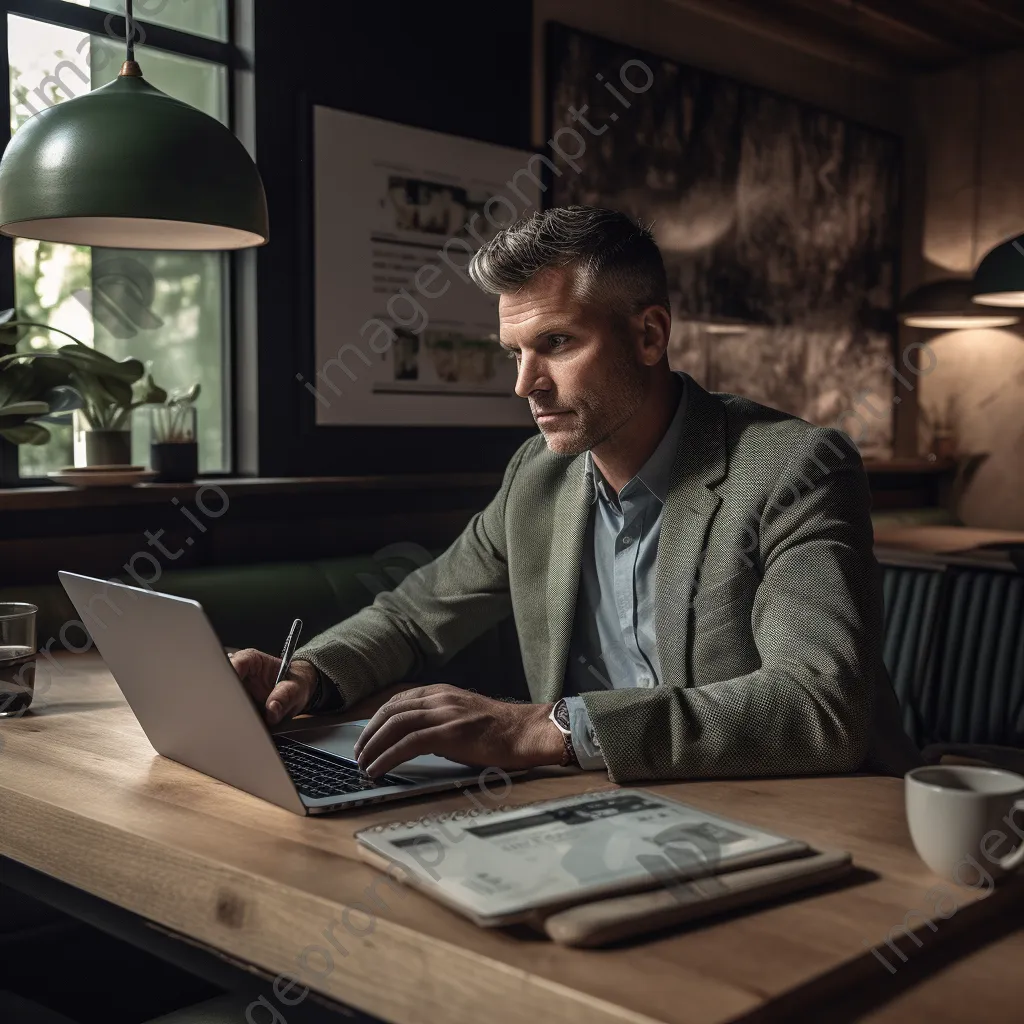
[
  {"x": 977, "y": 162},
  {"x": 129, "y": 29}
]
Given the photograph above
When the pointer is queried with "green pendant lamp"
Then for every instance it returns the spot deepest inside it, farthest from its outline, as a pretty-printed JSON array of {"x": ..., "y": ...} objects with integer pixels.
[
  {"x": 127, "y": 166},
  {"x": 947, "y": 305},
  {"x": 999, "y": 279}
]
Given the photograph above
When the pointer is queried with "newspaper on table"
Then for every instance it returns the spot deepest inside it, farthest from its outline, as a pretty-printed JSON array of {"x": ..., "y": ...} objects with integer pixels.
[{"x": 501, "y": 866}]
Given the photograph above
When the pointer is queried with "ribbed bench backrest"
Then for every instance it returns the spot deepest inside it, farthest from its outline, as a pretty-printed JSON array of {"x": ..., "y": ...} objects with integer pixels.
[
  {"x": 912, "y": 605},
  {"x": 975, "y": 677}
]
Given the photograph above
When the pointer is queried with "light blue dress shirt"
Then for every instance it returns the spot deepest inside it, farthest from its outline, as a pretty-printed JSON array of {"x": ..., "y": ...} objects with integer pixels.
[{"x": 613, "y": 643}]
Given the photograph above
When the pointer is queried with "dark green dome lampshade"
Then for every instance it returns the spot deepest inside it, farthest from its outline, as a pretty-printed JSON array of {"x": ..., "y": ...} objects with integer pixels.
[
  {"x": 128, "y": 166},
  {"x": 999, "y": 279}
]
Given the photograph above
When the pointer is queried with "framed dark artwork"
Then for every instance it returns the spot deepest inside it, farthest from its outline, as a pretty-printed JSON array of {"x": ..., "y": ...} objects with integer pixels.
[{"x": 779, "y": 224}]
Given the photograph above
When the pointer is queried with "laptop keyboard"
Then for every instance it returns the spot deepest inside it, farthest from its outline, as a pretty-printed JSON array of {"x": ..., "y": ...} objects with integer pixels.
[{"x": 316, "y": 775}]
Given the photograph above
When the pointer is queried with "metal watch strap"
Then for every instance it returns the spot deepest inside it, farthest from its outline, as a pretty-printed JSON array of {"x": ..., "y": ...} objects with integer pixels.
[
  {"x": 560, "y": 712},
  {"x": 570, "y": 753}
]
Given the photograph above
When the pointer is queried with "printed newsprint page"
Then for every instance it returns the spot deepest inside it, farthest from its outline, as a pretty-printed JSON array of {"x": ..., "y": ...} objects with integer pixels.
[{"x": 500, "y": 866}]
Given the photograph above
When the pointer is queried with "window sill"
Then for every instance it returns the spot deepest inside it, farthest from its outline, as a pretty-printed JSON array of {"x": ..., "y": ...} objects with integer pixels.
[{"x": 24, "y": 499}]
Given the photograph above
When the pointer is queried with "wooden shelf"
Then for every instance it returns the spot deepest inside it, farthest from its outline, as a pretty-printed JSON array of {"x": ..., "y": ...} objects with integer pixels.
[
  {"x": 908, "y": 465},
  {"x": 56, "y": 497},
  {"x": 95, "y": 531}
]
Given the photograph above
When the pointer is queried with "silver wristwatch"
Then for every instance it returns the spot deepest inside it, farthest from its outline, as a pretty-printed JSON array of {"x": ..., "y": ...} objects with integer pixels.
[{"x": 560, "y": 716}]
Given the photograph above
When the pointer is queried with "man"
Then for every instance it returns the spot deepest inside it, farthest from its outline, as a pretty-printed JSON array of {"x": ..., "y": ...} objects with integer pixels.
[{"x": 691, "y": 574}]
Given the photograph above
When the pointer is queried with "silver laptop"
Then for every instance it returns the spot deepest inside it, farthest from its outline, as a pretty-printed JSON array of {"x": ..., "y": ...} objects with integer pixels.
[{"x": 177, "y": 679}]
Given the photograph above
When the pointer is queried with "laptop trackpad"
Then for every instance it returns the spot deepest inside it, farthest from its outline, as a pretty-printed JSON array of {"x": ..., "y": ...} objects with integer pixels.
[{"x": 340, "y": 739}]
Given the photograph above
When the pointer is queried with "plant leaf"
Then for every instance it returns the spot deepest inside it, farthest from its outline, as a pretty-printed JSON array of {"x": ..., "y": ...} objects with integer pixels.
[
  {"x": 27, "y": 433},
  {"x": 17, "y": 384},
  {"x": 47, "y": 374},
  {"x": 71, "y": 377},
  {"x": 38, "y": 381},
  {"x": 27, "y": 357},
  {"x": 89, "y": 359},
  {"x": 186, "y": 397},
  {"x": 148, "y": 392},
  {"x": 62, "y": 400},
  {"x": 120, "y": 392},
  {"x": 25, "y": 409},
  {"x": 103, "y": 391}
]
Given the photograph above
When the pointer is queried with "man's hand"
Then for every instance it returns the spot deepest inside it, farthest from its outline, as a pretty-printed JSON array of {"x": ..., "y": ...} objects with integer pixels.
[
  {"x": 258, "y": 672},
  {"x": 460, "y": 725}
]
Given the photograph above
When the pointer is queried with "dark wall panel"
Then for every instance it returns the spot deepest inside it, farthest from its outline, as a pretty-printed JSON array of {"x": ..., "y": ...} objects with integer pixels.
[{"x": 461, "y": 67}]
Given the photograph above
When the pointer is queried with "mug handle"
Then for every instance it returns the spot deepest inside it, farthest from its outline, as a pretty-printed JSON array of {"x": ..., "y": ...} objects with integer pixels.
[{"x": 1014, "y": 860}]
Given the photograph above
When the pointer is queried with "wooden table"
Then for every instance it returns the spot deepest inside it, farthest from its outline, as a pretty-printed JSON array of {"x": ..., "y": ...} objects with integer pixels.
[{"x": 85, "y": 799}]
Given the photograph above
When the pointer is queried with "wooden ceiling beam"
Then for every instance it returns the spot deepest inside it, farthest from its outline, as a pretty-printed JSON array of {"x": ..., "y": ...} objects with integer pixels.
[
  {"x": 968, "y": 24},
  {"x": 894, "y": 35},
  {"x": 874, "y": 22},
  {"x": 759, "y": 17},
  {"x": 822, "y": 26},
  {"x": 996, "y": 12}
]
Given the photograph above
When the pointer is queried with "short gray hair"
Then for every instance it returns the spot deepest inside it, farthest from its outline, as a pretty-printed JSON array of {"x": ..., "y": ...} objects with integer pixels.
[{"x": 617, "y": 262}]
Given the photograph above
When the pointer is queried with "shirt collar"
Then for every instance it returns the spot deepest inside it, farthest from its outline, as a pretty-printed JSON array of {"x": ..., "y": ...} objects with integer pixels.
[{"x": 656, "y": 472}]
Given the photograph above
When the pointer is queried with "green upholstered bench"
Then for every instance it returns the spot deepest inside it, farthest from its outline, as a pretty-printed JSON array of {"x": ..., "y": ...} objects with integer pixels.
[
  {"x": 972, "y": 688},
  {"x": 954, "y": 647},
  {"x": 912, "y": 598},
  {"x": 954, "y": 636},
  {"x": 254, "y": 605}
]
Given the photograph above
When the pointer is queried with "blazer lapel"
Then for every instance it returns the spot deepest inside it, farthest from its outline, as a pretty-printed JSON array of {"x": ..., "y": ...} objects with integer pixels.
[
  {"x": 571, "y": 515},
  {"x": 701, "y": 462}
]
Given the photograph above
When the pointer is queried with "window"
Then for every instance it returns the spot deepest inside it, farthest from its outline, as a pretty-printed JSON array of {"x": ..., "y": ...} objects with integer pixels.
[
  {"x": 202, "y": 17},
  {"x": 169, "y": 309}
]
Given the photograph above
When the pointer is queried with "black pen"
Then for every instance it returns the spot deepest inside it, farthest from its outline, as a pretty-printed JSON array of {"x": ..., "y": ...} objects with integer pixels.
[{"x": 289, "y": 650}]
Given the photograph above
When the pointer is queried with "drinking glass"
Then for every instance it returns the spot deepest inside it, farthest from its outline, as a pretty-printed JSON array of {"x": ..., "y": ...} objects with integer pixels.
[{"x": 17, "y": 656}]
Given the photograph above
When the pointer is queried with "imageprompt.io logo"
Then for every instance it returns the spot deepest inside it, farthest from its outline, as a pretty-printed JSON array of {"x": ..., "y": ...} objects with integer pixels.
[
  {"x": 121, "y": 297},
  {"x": 674, "y": 856}
]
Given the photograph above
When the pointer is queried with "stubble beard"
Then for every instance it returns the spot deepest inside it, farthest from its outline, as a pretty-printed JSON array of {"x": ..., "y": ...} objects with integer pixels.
[{"x": 601, "y": 413}]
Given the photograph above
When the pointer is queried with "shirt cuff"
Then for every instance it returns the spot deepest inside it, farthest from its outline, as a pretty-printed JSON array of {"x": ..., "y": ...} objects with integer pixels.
[{"x": 584, "y": 739}]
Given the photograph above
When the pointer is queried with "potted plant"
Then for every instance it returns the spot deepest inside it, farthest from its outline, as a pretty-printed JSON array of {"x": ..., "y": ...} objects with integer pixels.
[
  {"x": 174, "y": 449},
  {"x": 105, "y": 391}
]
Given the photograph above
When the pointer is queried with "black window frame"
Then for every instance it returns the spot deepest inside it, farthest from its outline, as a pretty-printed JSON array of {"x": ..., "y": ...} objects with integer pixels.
[{"x": 228, "y": 54}]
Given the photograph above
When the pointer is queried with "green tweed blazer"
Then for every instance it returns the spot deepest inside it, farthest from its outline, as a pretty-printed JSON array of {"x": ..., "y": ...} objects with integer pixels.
[{"x": 768, "y": 600}]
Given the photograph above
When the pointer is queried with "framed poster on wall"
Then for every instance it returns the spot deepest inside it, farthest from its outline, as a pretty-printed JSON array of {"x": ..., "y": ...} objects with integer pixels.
[
  {"x": 779, "y": 224},
  {"x": 403, "y": 336}
]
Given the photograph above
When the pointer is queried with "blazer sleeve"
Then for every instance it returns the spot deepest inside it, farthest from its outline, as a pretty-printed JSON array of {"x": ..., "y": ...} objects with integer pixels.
[
  {"x": 431, "y": 615},
  {"x": 817, "y": 626}
]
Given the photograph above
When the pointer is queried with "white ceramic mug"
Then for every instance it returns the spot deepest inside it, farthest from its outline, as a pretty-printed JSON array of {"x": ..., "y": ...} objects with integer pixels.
[{"x": 966, "y": 820}]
